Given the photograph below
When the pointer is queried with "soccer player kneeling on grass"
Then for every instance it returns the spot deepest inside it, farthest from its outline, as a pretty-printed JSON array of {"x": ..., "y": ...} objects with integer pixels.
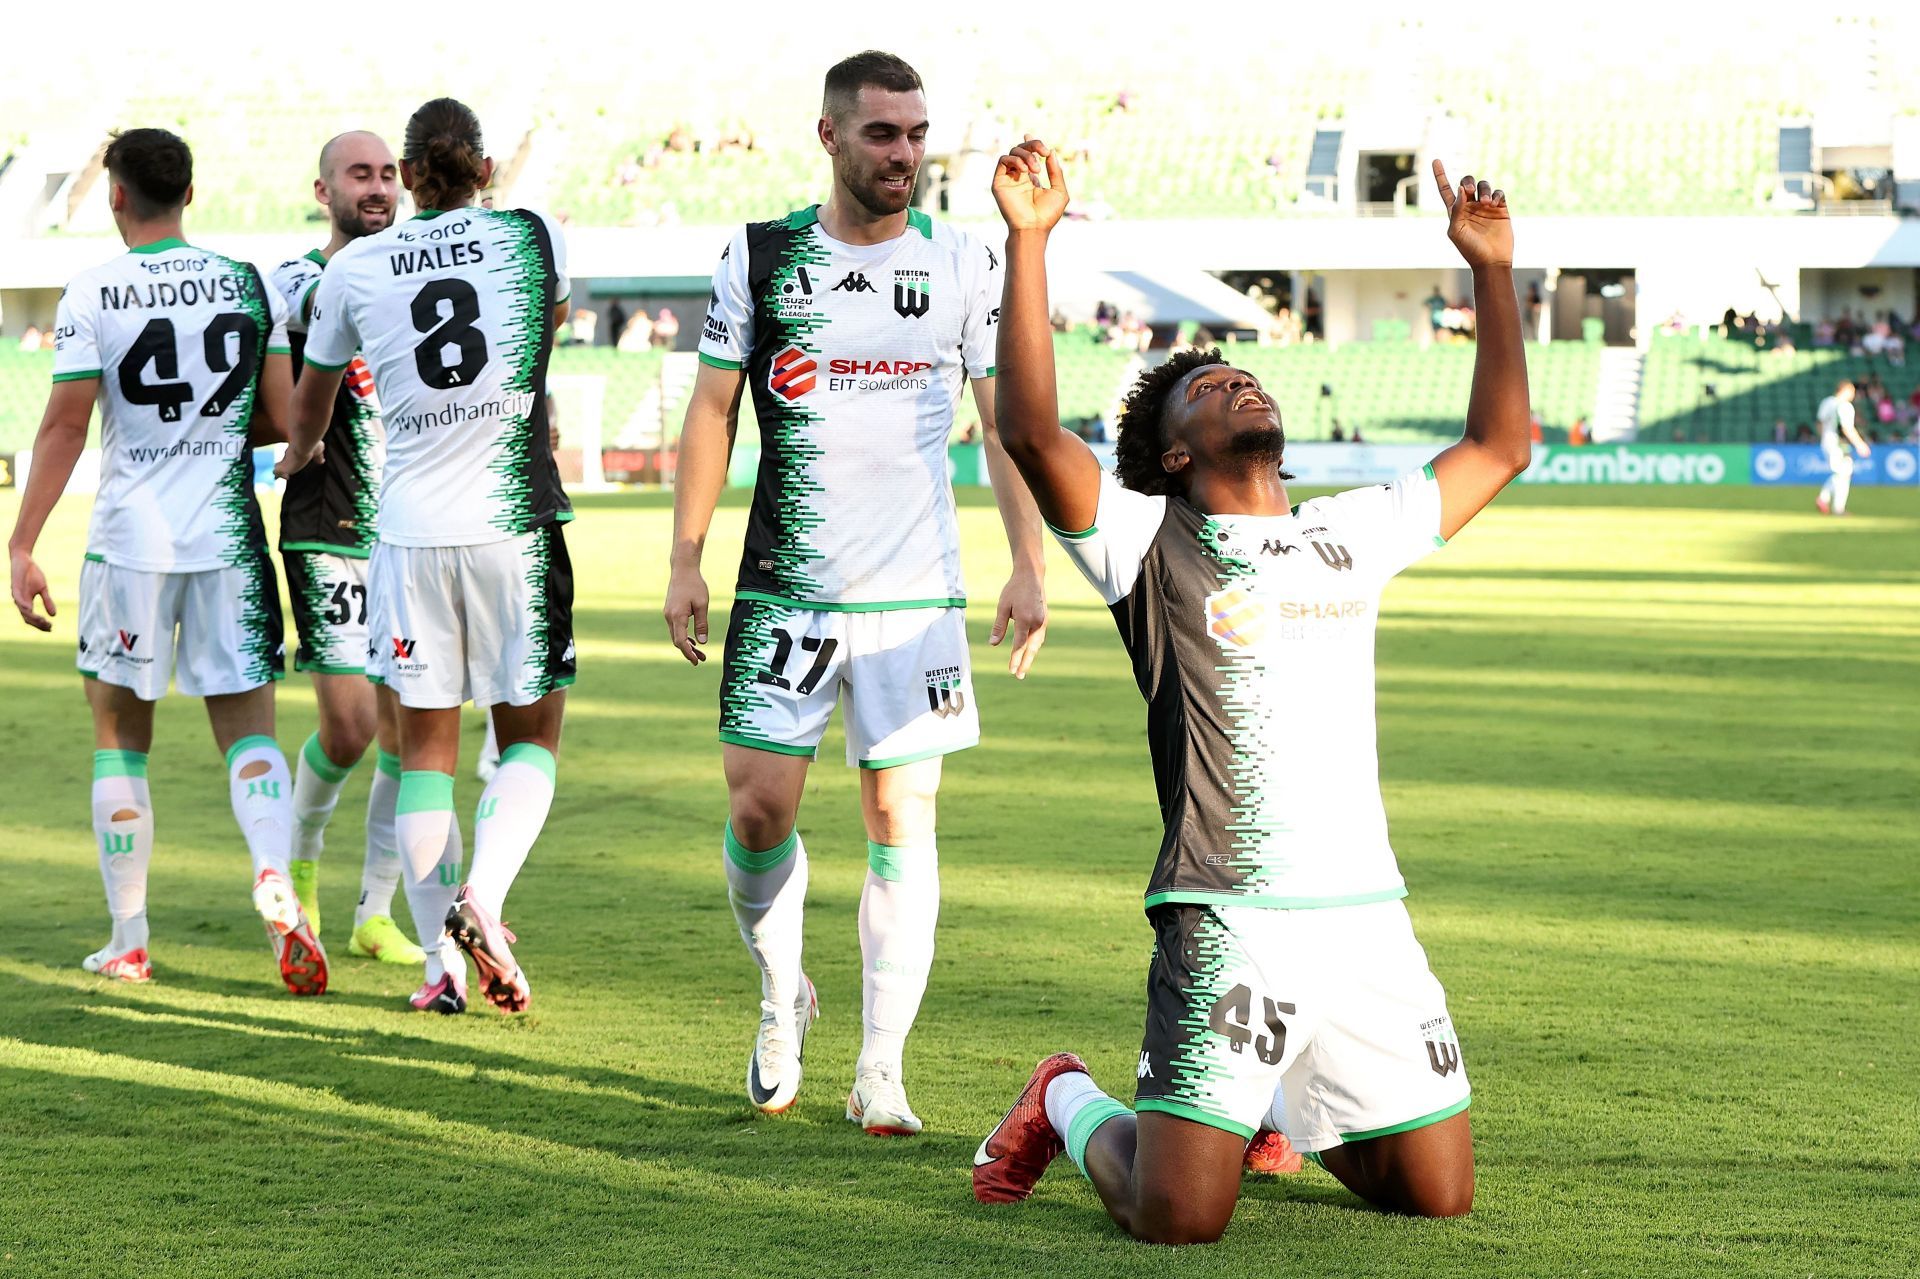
[
  {"x": 186, "y": 353},
  {"x": 469, "y": 590},
  {"x": 1286, "y": 991}
]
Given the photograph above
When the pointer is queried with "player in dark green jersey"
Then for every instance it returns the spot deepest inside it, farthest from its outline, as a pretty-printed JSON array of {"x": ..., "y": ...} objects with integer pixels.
[{"x": 327, "y": 523}]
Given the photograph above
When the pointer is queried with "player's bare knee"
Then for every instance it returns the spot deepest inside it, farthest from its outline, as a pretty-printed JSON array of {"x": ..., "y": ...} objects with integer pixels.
[
  {"x": 345, "y": 736},
  {"x": 761, "y": 819},
  {"x": 1452, "y": 1197},
  {"x": 1176, "y": 1219}
]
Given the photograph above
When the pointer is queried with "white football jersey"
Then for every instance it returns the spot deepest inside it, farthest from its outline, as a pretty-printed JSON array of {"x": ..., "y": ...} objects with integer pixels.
[
  {"x": 453, "y": 313},
  {"x": 856, "y": 356},
  {"x": 1252, "y": 641},
  {"x": 176, "y": 336},
  {"x": 1833, "y": 414}
]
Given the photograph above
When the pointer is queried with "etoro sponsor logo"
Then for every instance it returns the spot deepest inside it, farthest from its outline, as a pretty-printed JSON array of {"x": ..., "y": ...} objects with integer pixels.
[
  {"x": 792, "y": 374},
  {"x": 912, "y": 293},
  {"x": 1634, "y": 464}
]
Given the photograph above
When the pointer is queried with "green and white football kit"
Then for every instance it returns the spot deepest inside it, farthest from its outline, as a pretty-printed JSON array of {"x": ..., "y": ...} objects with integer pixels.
[
  {"x": 470, "y": 592},
  {"x": 1283, "y": 952},
  {"x": 176, "y": 337},
  {"x": 328, "y": 512},
  {"x": 856, "y": 357}
]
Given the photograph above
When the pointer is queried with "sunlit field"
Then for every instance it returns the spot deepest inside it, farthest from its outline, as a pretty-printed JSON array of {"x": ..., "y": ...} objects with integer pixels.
[{"x": 1649, "y": 757}]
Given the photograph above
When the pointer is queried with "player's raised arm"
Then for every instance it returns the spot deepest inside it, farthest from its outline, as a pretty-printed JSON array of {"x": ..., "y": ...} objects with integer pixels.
[
  {"x": 1058, "y": 467},
  {"x": 1498, "y": 442},
  {"x": 63, "y": 434}
]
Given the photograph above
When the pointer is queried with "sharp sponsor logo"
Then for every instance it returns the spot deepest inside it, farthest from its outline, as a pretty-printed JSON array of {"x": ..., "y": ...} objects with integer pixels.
[
  {"x": 945, "y": 697},
  {"x": 1242, "y": 619},
  {"x": 855, "y": 282},
  {"x": 912, "y": 293},
  {"x": 880, "y": 367},
  {"x": 792, "y": 374}
]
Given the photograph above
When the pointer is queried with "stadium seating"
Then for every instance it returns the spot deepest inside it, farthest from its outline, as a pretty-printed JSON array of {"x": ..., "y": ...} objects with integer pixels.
[
  {"x": 1753, "y": 388},
  {"x": 1156, "y": 129},
  {"x": 24, "y": 379},
  {"x": 1396, "y": 392}
]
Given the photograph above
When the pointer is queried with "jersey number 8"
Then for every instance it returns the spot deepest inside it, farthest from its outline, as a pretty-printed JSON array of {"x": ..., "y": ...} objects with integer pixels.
[
  {"x": 155, "y": 345},
  {"x": 454, "y": 329}
]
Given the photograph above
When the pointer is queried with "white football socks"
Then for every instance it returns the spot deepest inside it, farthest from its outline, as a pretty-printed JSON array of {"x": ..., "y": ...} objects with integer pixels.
[
  {"x": 898, "y": 909},
  {"x": 317, "y": 783},
  {"x": 512, "y": 810},
  {"x": 380, "y": 874},
  {"x": 123, "y": 823},
  {"x": 768, "y": 892},
  {"x": 429, "y": 898},
  {"x": 261, "y": 789},
  {"x": 1076, "y": 1108}
]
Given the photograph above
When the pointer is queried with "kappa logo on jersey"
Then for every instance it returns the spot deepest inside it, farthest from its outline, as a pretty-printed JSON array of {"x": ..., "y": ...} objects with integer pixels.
[
  {"x": 1272, "y": 547},
  {"x": 993, "y": 263},
  {"x": 944, "y": 697},
  {"x": 360, "y": 379},
  {"x": 791, "y": 375},
  {"x": 855, "y": 282},
  {"x": 993, "y": 317},
  {"x": 912, "y": 293},
  {"x": 1336, "y": 557},
  {"x": 1146, "y": 1062},
  {"x": 128, "y": 641},
  {"x": 1236, "y": 618}
]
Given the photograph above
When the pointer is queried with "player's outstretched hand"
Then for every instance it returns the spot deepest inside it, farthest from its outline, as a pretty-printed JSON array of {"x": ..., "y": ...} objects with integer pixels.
[
  {"x": 1023, "y": 602},
  {"x": 292, "y": 463},
  {"x": 1024, "y": 203},
  {"x": 686, "y": 613},
  {"x": 29, "y": 583},
  {"x": 1477, "y": 220}
]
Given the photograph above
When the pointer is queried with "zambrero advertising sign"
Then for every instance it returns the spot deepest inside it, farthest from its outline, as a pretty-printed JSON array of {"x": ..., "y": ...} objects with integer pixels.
[{"x": 1639, "y": 464}]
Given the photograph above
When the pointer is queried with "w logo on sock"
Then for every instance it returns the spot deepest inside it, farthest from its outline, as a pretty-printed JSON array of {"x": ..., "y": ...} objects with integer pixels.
[
  {"x": 487, "y": 807},
  {"x": 267, "y": 790},
  {"x": 449, "y": 876},
  {"x": 116, "y": 845}
]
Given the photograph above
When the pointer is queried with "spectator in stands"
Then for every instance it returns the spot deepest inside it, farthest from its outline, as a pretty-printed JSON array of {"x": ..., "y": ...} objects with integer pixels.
[
  {"x": 1105, "y": 313},
  {"x": 1823, "y": 334},
  {"x": 666, "y": 329},
  {"x": 1436, "y": 305},
  {"x": 30, "y": 340},
  {"x": 1803, "y": 434},
  {"x": 1534, "y": 302},
  {"x": 1286, "y": 327},
  {"x": 1579, "y": 437},
  {"x": 585, "y": 323},
  {"x": 1779, "y": 430},
  {"x": 1313, "y": 329},
  {"x": 637, "y": 335},
  {"x": 680, "y": 140},
  {"x": 1729, "y": 323},
  {"x": 1533, "y": 427},
  {"x": 616, "y": 320},
  {"x": 1059, "y": 321},
  {"x": 1357, "y": 437},
  {"x": 1339, "y": 435}
]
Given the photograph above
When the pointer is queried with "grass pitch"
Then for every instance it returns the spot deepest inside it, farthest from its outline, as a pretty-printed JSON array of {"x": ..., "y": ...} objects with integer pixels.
[{"x": 1648, "y": 756}]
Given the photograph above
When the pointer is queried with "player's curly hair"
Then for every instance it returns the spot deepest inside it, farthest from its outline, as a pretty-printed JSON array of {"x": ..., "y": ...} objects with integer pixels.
[
  {"x": 154, "y": 166},
  {"x": 1138, "y": 438},
  {"x": 444, "y": 153}
]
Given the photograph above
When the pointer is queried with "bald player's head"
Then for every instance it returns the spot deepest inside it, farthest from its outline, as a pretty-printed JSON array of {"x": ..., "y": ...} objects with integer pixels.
[{"x": 359, "y": 183}]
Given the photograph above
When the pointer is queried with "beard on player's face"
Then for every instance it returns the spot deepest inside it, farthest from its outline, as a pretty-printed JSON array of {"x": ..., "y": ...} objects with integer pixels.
[
  {"x": 364, "y": 218},
  {"x": 866, "y": 182}
]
